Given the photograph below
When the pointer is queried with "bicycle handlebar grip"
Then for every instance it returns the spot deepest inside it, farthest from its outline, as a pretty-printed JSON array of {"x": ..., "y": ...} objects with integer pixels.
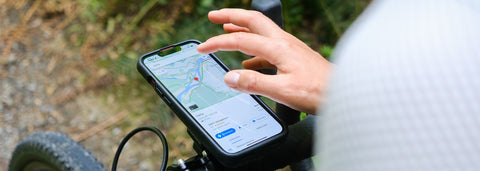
[{"x": 270, "y": 8}]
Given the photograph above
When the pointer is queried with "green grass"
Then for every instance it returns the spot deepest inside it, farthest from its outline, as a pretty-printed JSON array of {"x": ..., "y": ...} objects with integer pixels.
[{"x": 117, "y": 33}]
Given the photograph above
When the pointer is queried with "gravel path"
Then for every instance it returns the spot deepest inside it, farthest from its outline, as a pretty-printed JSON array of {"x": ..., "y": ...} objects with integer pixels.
[
  {"x": 38, "y": 69},
  {"x": 45, "y": 85}
]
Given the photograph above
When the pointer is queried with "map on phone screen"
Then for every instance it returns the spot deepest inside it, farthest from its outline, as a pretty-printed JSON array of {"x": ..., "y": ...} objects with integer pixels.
[
  {"x": 194, "y": 81},
  {"x": 233, "y": 119}
]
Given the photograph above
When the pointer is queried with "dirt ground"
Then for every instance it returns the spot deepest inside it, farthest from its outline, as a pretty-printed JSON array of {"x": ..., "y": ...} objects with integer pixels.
[
  {"x": 52, "y": 79},
  {"x": 46, "y": 84}
]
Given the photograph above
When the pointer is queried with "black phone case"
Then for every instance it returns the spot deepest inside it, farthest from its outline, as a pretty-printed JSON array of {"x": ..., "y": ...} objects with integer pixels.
[{"x": 198, "y": 133}]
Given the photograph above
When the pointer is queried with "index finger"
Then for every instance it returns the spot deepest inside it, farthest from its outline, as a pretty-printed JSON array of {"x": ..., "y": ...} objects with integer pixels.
[
  {"x": 255, "y": 21},
  {"x": 250, "y": 44}
]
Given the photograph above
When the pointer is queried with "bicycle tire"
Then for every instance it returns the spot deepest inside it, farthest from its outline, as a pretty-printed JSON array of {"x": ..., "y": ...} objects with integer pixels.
[{"x": 52, "y": 151}]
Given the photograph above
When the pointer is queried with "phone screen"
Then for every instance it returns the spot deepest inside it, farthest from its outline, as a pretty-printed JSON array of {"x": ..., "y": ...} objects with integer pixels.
[{"x": 233, "y": 119}]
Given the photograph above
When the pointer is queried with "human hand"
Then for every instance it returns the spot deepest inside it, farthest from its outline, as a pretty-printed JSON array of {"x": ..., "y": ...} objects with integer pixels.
[{"x": 301, "y": 72}]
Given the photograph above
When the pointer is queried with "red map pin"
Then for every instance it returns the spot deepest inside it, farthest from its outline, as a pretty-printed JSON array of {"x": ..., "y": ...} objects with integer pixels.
[{"x": 196, "y": 78}]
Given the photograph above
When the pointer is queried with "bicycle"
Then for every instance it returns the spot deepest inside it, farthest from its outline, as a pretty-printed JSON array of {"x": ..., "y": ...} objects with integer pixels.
[{"x": 55, "y": 151}]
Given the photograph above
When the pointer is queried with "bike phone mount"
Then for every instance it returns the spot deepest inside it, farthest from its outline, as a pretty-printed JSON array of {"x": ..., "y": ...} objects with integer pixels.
[{"x": 203, "y": 161}]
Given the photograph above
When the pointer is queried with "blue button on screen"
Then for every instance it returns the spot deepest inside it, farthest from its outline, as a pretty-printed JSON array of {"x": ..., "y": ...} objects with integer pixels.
[{"x": 225, "y": 133}]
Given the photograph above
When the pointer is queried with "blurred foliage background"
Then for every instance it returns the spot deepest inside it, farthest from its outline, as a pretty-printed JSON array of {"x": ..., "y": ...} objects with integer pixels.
[
  {"x": 110, "y": 36},
  {"x": 115, "y": 33}
]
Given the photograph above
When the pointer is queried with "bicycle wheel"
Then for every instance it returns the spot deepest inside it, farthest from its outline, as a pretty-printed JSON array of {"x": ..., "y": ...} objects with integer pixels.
[{"x": 51, "y": 151}]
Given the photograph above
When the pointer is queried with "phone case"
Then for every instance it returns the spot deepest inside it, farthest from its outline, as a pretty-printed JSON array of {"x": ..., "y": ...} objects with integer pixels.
[{"x": 197, "y": 132}]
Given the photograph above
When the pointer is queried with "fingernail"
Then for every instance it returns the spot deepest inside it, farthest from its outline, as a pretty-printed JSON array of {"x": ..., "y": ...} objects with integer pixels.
[
  {"x": 231, "y": 79},
  {"x": 213, "y": 12},
  {"x": 199, "y": 47}
]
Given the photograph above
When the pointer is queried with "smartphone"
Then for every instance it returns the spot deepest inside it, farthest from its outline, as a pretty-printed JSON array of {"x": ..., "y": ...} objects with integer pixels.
[{"x": 231, "y": 125}]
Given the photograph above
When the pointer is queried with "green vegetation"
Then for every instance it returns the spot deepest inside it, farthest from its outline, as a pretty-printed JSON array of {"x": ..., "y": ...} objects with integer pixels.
[
  {"x": 121, "y": 31},
  {"x": 112, "y": 35},
  {"x": 70, "y": 66}
]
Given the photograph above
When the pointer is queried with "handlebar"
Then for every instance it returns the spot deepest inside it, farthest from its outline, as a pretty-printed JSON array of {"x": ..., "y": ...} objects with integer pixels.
[{"x": 297, "y": 145}]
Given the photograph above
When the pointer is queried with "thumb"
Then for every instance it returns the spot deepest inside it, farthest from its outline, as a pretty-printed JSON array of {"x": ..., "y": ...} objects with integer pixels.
[{"x": 251, "y": 82}]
